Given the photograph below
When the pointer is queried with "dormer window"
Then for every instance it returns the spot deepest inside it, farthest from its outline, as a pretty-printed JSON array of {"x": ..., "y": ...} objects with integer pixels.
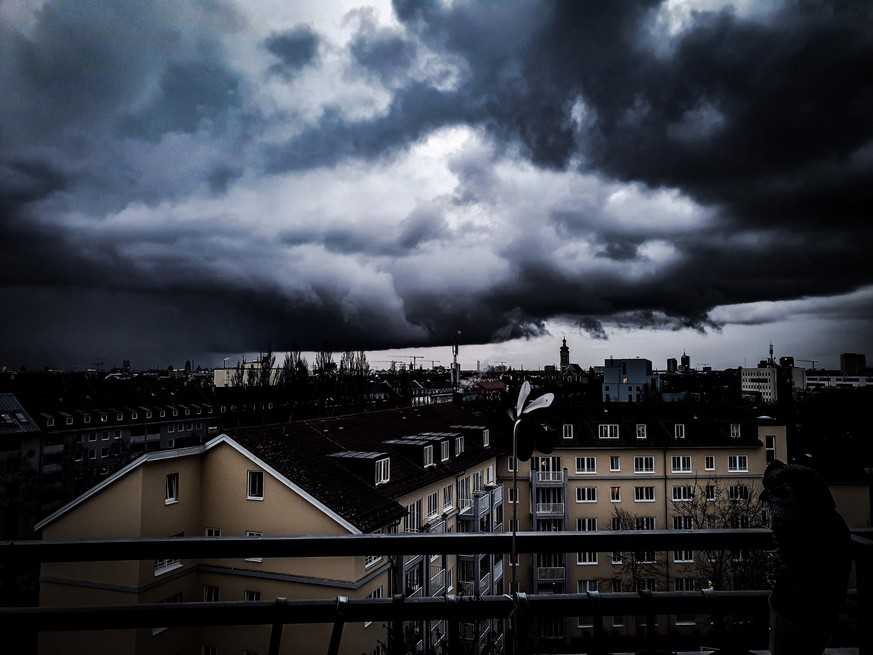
[
  {"x": 567, "y": 430},
  {"x": 735, "y": 430},
  {"x": 69, "y": 420},
  {"x": 50, "y": 422},
  {"x": 119, "y": 417},
  {"x": 486, "y": 437},
  {"x": 459, "y": 445},
  {"x": 608, "y": 430},
  {"x": 383, "y": 470},
  {"x": 641, "y": 430},
  {"x": 428, "y": 456},
  {"x": 445, "y": 447},
  {"x": 86, "y": 419},
  {"x": 679, "y": 430}
]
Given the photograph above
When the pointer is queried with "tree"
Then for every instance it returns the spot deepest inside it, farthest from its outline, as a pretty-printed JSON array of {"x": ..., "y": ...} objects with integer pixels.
[
  {"x": 639, "y": 570},
  {"x": 725, "y": 506},
  {"x": 265, "y": 369},
  {"x": 237, "y": 378},
  {"x": 324, "y": 359}
]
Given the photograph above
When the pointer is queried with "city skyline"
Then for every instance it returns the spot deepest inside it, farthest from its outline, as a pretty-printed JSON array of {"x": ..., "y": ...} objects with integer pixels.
[{"x": 198, "y": 181}]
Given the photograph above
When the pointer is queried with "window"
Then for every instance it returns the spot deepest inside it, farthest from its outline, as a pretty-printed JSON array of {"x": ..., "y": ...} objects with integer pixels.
[
  {"x": 586, "y": 557},
  {"x": 255, "y": 535},
  {"x": 735, "y": 430},
  {"x": 644, "y": 494},
  {"x": 711, "y": 492},
  {"x": 738, "y": 492},
  {"x": 171, "y": 443},
  {"x": 372, "y": 560},
  {"x": 171, "y": 489},
  {"x": 208, "y": 650},
  {"x": 210, "y": 594},
  {"x": 213, "y": 532},
  {"x": 376, "y": 593},
  {"x": 709, "y": 462},
  {"x": 608, "y": 430},
  {"x": 171, "y": 427},
  {"x": 428, "y": 456},
  {"x": 447, "y": 497},
  {"x": 168, "y": 563},
  {"x": 459, "y": 445},
  {"x": 685, "y": 584},
  {"x": 92, "y": 436},
  {"x": 641, "y": 430},
  {"x": 681, "y": 464},
  {"x": 587, "y": 524},
  {"x": 50, "y": 422},
  {"x": 510, "y": 463},
  {"x": 432, "y": 505},
  {"x": 683, "y": 556},
  {"x": 644, "y": 523},
  {"x": 175, "y": 598},
  {"x": 104, "y": 435},
  {"x": 738, "y": 463},
  {"x": 644, "y": 464},
  {"x": 770, "y": 447},
  {"x": 586, "y": 465},
  {"x": 568, "y": 430},
  {"x": 586, "y": 494},
  {"x": 255, "y": 485},
  {"x": 682, "y": 523},
  {"x": 251, "y": 596},
  {"x": 614, "y": 463},
  {"x": 413, "y": 517},
  {"x": 615, "y": 494},
  {"x": 512, "y": 495},
  {"x": 486, "y": 438},
  {"x": 383, "y": 470},
  {"x": 104, "y": 452},
  {"x": 583, "y": 587},
  {"x": 92, "y": 454},
  {"x": 679, "y": 430},
  {"x": 444, "y": 450},
  {"x": 683, "y": 493},
  {"x": 616, "y": 557}
]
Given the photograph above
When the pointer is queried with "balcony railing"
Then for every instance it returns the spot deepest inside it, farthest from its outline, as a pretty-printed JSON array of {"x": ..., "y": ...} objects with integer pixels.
[
  {"x": 520, "y": 609},
  {"x": 551, "y": 573},
  {"x": 550, "y": 509},
  {"x": 550, "y": 476}
]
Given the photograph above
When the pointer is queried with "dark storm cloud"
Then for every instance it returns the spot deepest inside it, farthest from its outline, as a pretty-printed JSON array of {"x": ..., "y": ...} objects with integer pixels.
[
  {"x": 294, "y": 49},
  {"x": 129, "y": 118}
]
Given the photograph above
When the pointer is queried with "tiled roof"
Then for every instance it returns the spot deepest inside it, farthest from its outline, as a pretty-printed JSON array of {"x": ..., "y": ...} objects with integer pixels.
[
  {"x": 14, "y": 419},
  {"x": 302, "y": 451}
]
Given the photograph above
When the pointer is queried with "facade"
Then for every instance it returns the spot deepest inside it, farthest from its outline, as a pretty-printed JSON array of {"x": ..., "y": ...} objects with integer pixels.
[
  {"x": 615, "y": 469},
  {"x": 428, "y": 469},
  {"x": 817, "y": 380},
  {"x": 628, "y": 380}
]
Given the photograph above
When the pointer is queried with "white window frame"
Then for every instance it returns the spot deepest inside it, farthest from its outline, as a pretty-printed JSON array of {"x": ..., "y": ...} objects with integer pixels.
[
  {"x": 586, "y": 494},
  {"x": 681, "y": 463},
  {"x": 211, "y": 593},
  {"x": 255, "y": 485},
  {"x": 428, "y": 456},
  {"x": 644, "y": 464},
  {"x": 738, "y": 463},
  {"x": 433, "y": 505},
  {"x": 683, "y": 493},
  {"x": 213, "y": 532},
  {"x": 486, "y": 438},
  {"x": 445, "y": 450},
  {"x": 614, "y": 463},
  {"x": 644, "y": 494},
  {"x": 738, "y": 492},
  {"x": 586, "y": 465},
  {"x": 254, "y": 534},
  {"x": 641, "y": 431},
  {"x": 567, "y": 430},
  {"x": 251, "y": 596},
  {"x": 607, "y": 430},
  {"x": 459, "y": 445},
  {"x": 586, "y": 558},
  {"x": 711, "y": 493},
  {"x": 448, "y": 501},
  {"x": 709, "y": 462},
  {"x": 679, "y": 431},
  {"x": 383, "y": 470},
  {"x": 171, "y": 489},
  {"x": 735, "y": 430},
  {"x": 615, "y": 494}
]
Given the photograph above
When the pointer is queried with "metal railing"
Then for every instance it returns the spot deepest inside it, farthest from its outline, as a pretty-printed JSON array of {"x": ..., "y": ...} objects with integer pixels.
[
  {"x": 550, "y": 509},
  {"x": 550, "y": 476},
  {"x": 519, "y": 608}
]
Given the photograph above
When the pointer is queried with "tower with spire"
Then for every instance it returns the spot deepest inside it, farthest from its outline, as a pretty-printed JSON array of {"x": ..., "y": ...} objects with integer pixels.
[{"x": 565, "y": 355}]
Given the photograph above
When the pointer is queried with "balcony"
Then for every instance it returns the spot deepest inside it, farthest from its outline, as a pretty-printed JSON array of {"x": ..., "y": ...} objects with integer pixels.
[
  {"x": 551, "y": 574},
  {"x": 520, "y": 610},
  {"x": 550, "y": 509},
  {"x": 550, "y": 477}
]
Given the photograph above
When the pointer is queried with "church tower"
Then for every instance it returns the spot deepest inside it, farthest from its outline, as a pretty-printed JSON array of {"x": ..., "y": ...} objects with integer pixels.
[{"x": 565, "y": 355}]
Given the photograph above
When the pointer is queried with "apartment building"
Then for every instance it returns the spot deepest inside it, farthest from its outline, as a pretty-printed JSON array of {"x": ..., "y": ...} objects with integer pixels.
[
  {"x": 420, "y": 469},
  {"x": 630, "y": 467},
  {"x": 629, "y": 380}
]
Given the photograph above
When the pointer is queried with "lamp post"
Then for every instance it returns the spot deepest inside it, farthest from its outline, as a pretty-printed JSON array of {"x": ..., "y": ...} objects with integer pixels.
[{"x": 518, "y": 416}]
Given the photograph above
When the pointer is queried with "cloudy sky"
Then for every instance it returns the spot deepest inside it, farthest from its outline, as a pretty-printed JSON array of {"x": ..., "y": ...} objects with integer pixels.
[{"x": 203, "y": 179}]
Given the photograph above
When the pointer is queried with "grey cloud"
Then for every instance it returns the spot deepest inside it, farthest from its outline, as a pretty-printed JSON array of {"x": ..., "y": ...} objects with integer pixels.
[
  {"x": 386, "y": 54},
  {"x": 294, "y": 48},
  {"x": 592, "y": 327}
]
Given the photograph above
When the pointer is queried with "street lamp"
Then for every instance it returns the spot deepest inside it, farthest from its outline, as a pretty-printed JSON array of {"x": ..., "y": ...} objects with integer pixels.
[{"x": 518, "y": 416}]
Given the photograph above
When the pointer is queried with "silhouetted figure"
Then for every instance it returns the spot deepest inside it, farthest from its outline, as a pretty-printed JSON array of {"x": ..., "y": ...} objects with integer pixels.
[{"x": 813, "y": 549}]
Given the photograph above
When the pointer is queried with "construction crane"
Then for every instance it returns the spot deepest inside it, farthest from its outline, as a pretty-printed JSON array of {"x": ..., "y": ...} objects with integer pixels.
[
  {"x": 811, "y": 361},
  {"x": 433, "y": 363}
]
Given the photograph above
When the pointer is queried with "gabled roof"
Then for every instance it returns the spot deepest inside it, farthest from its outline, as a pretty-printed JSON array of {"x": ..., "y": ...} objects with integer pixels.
[{"x": 14, "y": 419}]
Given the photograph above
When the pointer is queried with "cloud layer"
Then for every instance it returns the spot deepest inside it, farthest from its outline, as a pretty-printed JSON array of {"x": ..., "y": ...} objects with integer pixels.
[{"x": 204, "y": 178}]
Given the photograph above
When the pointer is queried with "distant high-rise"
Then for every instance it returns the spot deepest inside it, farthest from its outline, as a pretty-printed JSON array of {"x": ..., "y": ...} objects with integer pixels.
[
  {"x": 686, "y": 362},
  {"x": 565, "y": 355},
  {"x": 852, "y": 363},
  {"x": 672, "y": 365}
]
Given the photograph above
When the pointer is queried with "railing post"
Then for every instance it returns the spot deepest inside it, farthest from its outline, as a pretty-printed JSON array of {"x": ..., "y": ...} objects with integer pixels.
[
  {"x": 397, "y": 643},
  {"x": 336, "y": 634},
  {"x": 597, "y": 619},
  {"x": 454, "y": 624},
  {"x": 520, "y": 623},
  {"x": 864, "y": 584},
  {"x": 276, "y": 631}
]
